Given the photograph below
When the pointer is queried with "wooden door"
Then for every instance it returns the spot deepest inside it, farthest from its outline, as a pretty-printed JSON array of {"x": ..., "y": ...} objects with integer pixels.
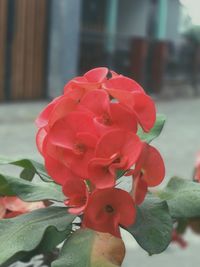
[
  {"x": 3, "y": 36},
  {"x": 26, "y": 41}
]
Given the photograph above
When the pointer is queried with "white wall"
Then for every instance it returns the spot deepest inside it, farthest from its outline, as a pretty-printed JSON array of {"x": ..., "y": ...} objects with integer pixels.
[
  {"x": 132, "y": 17},
  {"x": 173, "y": 20},
  {"x": 64, "y": 44}
]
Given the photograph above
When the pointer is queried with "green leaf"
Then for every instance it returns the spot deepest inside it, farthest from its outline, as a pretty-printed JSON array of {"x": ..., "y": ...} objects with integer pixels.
[
  {"x": 24, "y": 233},
  {"x": 27, "y": 174},
  {"x": 30, "y": 168},
  {"x": 51, "y": 238},
  {"x": 183, "y": 198},
  {"x": 181, "y": 226},
  {"x": 30, "y": 191},
  {"x": 155, "y": 131},
  {"x": 153, "y": 227},
  {"x": 87, "y": 248},
  {"x": 120, "y": 173}
]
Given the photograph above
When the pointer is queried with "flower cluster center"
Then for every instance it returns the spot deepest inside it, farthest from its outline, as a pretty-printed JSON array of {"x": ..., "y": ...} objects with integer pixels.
[
  {"x": 109, "y": 209},
  {"x": 79, "y": 148}
]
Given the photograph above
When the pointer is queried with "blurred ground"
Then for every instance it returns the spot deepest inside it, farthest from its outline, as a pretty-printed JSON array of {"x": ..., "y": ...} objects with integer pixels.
[{"x": 178, "y": 144}]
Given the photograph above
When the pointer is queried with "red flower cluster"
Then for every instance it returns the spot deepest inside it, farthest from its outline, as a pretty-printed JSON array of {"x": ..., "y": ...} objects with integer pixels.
[{"x": 88, "y": 134}]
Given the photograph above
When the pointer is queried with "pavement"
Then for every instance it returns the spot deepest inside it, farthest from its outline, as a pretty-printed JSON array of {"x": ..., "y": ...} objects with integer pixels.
[{"x": 178, "y": 144}]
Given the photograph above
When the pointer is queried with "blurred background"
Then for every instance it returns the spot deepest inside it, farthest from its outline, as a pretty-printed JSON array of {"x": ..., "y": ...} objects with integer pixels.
[{"x": 45, "y": 43}]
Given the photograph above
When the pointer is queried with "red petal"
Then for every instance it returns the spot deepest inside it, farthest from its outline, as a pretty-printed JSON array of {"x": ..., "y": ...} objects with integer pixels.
[
  {"x": 79, "y": 163},
  {"x": 124, "y": 97},
  {"x": 114, "y": 74},
  {"x": 197, "y": 168},
  {"x": 197, "y": 174},
  {"x": 96, "y": 216},
  {"x": 88, "y": 140},
  {"x": 58, "y": 171},
  {"x": 74, "y": 186},
  {"x": 62, "y": 135},
  {"x": 145, "y": 110},
  {"x": 122, "y": 118},
  {"x": 55, "y": 111},
  {"x": 61, "y": 109},
  {"x": 177, "y": 238},
  {"x": 53, "y": 151},
  {"x": 2, "y": 208},
  {"x": 152, "y": 165},
  {"x": 64, "y": 132},
  {"x": 76, "y": 191},
  {"x": 139, "y": 190},
  {"x": 40, "y": 137},
  {"x": 139, "y": 103},
  {"x": 99, "y": 173},
  {"x": 12, "y": 214},
  {"x": 90, "y": 81},
  {"x": 82, "y": 84},
  {"x": 122, "y": 142},
  {"x": 16, "y": 204},
  {"x": 97, "y": 101},
  {"x": 155, "y": 168},
  {"x": 77, "y": 211},
  {"x": 96, "y": 75},
  {"x": 72, "y": 84},
  {"x": 121, "y": 82},
  {"x": 74, "y": 92},
  {"x": 43, "y": 118},
  {"x": 197, "y": 162}
]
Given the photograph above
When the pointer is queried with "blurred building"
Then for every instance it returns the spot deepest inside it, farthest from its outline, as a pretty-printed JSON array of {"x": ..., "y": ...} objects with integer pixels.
[
  {"x": 44, "y": 43},
  {"x": 130, "y": 36}
]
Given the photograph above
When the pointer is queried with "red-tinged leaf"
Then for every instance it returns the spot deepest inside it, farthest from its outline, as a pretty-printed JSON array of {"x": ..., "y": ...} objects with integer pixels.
[{"x": 94, "y": 250}]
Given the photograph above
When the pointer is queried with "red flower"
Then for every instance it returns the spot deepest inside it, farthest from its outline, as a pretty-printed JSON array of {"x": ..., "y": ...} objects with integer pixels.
[
  {"x": 107, "y": 115},
  {"x": 89, "y": 81},
  {"x": 76, "y": 134},
  {"x": 87, "y": 135},
  {"x": 43, "y": 117},
  {"x": 197, "y": 168},
  {"x": 77, "y": 193},
  {"x": 55, "y": 163},
  {"x": 2, "y": 208},
  {"x": 107, "y": 209},
  {"x": 58, "y": 170},
  {"x": 149, "y": 171},
  {"x": 13, "y": 206},
  {"x": 177, "y": 238},
  {"x": 117, "y": 149},
  {"x": 56, "y": 110},
  {"x": 132, "y": 96}
]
